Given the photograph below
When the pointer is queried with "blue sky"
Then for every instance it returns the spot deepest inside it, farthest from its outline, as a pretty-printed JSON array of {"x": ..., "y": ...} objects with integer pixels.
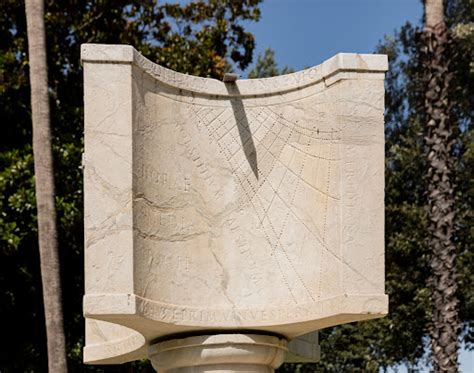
[{"x": 304, "y": 33}]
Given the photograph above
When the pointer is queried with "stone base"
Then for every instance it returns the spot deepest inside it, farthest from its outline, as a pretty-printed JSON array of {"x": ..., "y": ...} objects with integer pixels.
[{"x": 223, "y": 353}]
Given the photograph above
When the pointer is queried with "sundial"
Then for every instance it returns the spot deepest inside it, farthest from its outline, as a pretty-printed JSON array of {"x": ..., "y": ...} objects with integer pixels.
[{"x": 229, "y": 209}]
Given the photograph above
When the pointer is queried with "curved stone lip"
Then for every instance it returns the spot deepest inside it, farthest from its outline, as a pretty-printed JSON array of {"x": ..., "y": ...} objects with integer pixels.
[
  {"x": 120, "y": 351},
  {"x": 142, "y": 316},
  {"x": 219, "y": 339},
  {"x": 341, "y": 62},
  {"x": 289, "y": 322}
]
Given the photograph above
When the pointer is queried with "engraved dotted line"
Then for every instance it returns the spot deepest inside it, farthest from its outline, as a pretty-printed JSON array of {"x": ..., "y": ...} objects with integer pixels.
[
  {"x": 296, "y": 216},
  {"x": 278, "y": 237},
  {"x": 332, "y": 131},
  {"x": 327, "y": 192},
  {"x": 276, "y": 192},
  {"x": 302, "y": 179},
  {"x": 260, "y": 144},
  {"x": 325, "y": 219},
  {"x": 285, "y": 279},
  {"x": 271, "y": 169},
  {"x": 317, "y": 238},
  {"x": 323, "y": 244},
  {"x": 287, "y": 169},
  {"x": 247, "y": 179},
  {"x": 321, "y": 262},
  {"x": 250, "y": 199},
  {"x": 223, "y": 152},
  {"x": 306, "y": 182},
  {"x": 303, "y": 151},
  {"x": 213, "y": 124},
  {"x": 301, "y": 132},
  {"x": 244, "y": 144},
  {"x": 284, "y": 225},
  {"x": 313, "y": 137}
]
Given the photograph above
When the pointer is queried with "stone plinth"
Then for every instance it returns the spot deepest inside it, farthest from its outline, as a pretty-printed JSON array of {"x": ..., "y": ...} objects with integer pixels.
[
  {"x": 254, "y": 206},
  {"x": 219, "y": 352}
]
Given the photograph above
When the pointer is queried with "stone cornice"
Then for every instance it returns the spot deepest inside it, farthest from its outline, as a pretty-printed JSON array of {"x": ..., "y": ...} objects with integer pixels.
[{"x": 329, "y": 72}]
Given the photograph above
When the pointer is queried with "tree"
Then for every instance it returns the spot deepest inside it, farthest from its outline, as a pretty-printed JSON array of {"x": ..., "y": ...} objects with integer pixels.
[
  {"x": 440, "y": 142},
  {"x": 202, "y": 38},
  {"x": 44, "y": 186},
  {"x": 266, "y": 66}
]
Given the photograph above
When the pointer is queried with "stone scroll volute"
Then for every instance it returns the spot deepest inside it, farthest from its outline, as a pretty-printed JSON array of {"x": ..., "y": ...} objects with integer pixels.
[{"x": 255, "y": 205}]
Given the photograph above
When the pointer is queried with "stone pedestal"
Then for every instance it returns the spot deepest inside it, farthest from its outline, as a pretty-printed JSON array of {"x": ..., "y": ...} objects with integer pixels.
[{"x": 249, "y": 353}]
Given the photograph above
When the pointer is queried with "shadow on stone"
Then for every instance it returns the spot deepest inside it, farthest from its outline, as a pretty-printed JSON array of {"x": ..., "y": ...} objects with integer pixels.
[{"x": 243, "y": 126}]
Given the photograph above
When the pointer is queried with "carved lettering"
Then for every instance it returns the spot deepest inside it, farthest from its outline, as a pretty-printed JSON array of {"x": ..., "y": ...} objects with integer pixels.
[{"x": 162, "y": 179}]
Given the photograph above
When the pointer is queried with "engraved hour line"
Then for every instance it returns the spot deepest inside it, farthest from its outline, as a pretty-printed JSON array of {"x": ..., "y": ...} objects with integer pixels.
[
  {"x": 204, "y": 119},
  {"x": 296, "y": 216},
  {"x": 270, "y": 152},
  {"x": 211, "y": 124},
  {"x": 303, "y": 131},
  {"x": 309, "y": 154},
  {"x": 325, "y": 213},
  {"x": 272, "y": 117},
  {"x": 325, "y": 247},
  {"x": 297, "y": 125},
  {"x": 250, "y": 199},
  {"x": 285, "y": 280},
  {"x": 327, "y": 190},
  {"x": 270, "y": 130},
  {"x": 317, "y": 190},
  {"x": 286, "y": 168},
  {"x": 278, "y": 236},
  {"x": 278, "y": 243},
  {"x": 323, "y": 244},
  {"x": 325, "y": 194},
  {"x": 302, "y": 179}
]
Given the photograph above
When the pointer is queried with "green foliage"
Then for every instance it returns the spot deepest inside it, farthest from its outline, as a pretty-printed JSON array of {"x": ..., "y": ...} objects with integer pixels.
[
  {"x": 267, "y": 66},
  {"x": 204, "y": 38}
]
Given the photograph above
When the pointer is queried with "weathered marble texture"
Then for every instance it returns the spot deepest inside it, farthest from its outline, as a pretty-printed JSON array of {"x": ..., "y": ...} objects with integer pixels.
[{"x": 255, "y": 205}]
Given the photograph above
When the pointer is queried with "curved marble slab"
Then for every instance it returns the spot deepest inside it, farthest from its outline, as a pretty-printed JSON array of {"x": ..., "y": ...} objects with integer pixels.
[
  {"x": 209, "y": 206},
  {"x": 340, "y": 63}
]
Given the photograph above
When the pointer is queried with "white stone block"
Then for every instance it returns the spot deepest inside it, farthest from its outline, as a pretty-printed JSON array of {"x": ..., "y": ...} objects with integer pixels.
[{"x": 256, "y": 205}]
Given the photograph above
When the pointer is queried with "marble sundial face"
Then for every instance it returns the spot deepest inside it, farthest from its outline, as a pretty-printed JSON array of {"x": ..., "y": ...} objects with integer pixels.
[{"x": 254, "y": 205}]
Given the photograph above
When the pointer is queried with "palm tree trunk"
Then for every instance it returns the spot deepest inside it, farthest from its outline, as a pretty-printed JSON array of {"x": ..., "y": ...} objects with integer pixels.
[
  {"x": 44, "y": 184},
  {"x": 441, "y": 200}
]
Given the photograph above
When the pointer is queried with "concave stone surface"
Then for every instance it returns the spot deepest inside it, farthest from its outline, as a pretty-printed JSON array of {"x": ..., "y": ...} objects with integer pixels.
[{"x": 248, "y": 205}]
